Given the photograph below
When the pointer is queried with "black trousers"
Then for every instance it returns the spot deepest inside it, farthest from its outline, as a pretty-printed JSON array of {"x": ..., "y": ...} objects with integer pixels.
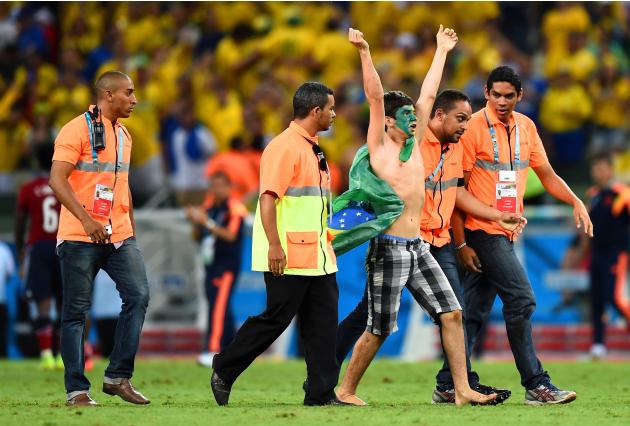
[
  {"x": 607, "y": 271},
  {"x": 314, "y": 300}
]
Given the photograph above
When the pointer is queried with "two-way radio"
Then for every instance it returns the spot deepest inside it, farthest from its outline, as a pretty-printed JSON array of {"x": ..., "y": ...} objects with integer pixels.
[{"x": 98, "y": 131}]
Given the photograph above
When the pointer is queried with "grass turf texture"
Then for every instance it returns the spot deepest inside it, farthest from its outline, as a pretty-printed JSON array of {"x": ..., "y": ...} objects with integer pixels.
[{"x": 270, "y": 393}]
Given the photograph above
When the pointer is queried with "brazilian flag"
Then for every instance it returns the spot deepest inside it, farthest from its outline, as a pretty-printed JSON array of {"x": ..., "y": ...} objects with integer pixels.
[{"x": 367, "y": 209}]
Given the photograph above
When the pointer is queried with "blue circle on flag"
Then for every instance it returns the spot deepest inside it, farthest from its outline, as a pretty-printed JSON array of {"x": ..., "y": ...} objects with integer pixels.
[{"x": 348, "y": 218}]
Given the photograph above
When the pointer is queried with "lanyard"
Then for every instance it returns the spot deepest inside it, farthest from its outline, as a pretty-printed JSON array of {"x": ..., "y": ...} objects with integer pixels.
[
  {"x": 322, "y": 165},
  {"x": 119, "y": 151},
  {"x": 440, "y": 164},
  {"x": 495, "y": 146},
  {"x": 88, "y": 119}
]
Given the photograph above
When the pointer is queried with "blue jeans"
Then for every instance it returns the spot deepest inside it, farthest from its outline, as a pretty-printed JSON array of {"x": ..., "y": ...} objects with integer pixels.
[
  {"x": 447, "y": 260},
  {"x": 80, "y": 263},
  {"x": 503, "y": 275},
  {"x": 353, "y": 325}
]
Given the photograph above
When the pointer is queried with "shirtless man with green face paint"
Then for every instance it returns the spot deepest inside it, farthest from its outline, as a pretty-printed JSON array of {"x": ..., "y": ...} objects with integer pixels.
[
  {"x": 405, "y": 117},
  {"x": 406, "y": 121},
  {"x": 398, "y": 257}
]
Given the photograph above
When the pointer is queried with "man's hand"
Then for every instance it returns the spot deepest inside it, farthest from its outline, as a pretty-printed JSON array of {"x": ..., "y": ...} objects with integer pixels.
[
  {"x": 582, "y": 219},
  {"x": 446, "y": 38},
  {"x": 277, "y": 261},
  {"x": 514, "y": 223},
  {"x": 356, "y": 38},
  {"x": 469, "y": 259},
  {"x": 95, "y": 231},
  {"x": 196, "y": 215}
]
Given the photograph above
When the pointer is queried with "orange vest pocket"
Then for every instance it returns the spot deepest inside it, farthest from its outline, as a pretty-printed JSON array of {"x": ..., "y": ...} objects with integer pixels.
[{"x": 302, "y": 250}]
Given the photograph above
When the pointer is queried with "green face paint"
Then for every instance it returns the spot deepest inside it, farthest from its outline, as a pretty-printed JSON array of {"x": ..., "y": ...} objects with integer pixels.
[{"x": 405, "y": 116}]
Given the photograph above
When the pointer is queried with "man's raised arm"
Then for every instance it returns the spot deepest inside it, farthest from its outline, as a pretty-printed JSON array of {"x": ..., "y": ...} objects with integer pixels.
[
  {"x": 446, "y": 41},
  {"x": 373, "y": 91}
]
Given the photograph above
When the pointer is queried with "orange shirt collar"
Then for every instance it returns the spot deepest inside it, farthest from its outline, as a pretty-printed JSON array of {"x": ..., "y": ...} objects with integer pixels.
[
  {"x": 430, "y": 136},
  {"x": 302, "y": 132},
  {"x": 492, "y": 116}
]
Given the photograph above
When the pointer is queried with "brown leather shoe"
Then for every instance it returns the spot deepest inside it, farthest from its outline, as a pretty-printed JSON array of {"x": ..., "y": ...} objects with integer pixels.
[
  {"x": 81, "y": 400},
  {"x": 126, "y": 391}
]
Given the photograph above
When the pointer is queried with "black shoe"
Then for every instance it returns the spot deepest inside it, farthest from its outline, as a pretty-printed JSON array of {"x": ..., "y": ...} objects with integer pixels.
[
  {"x": 220, "y": 389},
  {"x": 332, "y": 401},
  {"x": 502, "y": 394}
]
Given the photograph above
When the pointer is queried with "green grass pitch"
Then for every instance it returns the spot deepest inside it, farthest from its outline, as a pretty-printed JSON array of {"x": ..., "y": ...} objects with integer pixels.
[{"x": 269, "y": 393}]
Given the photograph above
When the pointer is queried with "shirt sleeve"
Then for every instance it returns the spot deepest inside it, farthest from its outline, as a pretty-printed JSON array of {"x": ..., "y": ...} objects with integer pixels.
[
  {"x": 234, "y": 223},
  {"x": 621, "y": 203},
  {"x": 537, "y": 155},
  {"x": 277, "y": 168},
  {"x": 469, "y": 146},
  {"x": 68, "y": 144},
  {"x": 459, "y": 160},
  {"x": 237, "y": 213}
]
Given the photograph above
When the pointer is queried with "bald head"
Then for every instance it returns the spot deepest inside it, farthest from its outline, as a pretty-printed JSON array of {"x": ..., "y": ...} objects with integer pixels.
[
  {"x": 110, "y": 81},
  {"x": 115, "y": 94}
]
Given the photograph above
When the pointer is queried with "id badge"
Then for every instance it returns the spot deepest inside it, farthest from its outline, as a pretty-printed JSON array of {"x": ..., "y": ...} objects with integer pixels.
[
  {"x": 103, "y": 199},
  {"x": 506, "y": 192}
]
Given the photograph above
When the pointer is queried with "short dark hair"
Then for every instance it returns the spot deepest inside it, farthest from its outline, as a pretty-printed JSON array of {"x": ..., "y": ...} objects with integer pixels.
[
  {"x": 109, "y": 80},
  {"x": 308, "y": 96},
  {"x": 44, "y": 154},
  {"x": 602, "y": 156},
  {"x": 447, "y": 99},
  {"x": 394, "y": 100},
  {"x": 504, "y": 74},
  {"x": 221, "y": 175}
]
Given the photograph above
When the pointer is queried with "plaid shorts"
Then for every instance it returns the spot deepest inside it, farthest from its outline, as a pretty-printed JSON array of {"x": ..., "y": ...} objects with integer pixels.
[{"x": 392, "y": 264}]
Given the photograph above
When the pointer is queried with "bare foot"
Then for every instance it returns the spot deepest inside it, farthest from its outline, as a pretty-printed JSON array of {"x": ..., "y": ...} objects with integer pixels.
[
  {"x": 351, "y": 399},
  {"x": 469, "y": 396}
]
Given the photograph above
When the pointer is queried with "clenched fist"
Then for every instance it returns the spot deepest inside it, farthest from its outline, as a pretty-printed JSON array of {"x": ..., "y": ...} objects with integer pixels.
[
  {"x": 446, "y": 38},
  {"x": 356, "y": 38}
]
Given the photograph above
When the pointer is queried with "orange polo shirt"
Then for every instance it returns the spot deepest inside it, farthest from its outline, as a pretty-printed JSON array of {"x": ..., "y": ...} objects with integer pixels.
[
  {"x": 441, "y": 188},
  {"x": 110, "y": 168},
  {"x": 291, "y": 150},
  {"x": 290, "y": 169},
  {"x": 479, "y": 160}
]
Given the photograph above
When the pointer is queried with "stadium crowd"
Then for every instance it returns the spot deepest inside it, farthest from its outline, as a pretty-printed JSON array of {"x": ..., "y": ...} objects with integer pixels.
[{"x": 212, "y": 79}]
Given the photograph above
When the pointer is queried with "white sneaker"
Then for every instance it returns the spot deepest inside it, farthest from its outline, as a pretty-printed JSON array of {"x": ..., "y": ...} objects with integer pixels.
[
  {"x": 598, "y": 351},
  {"x": 205, "y": 359},
  {"x": 547, "y": 394}
]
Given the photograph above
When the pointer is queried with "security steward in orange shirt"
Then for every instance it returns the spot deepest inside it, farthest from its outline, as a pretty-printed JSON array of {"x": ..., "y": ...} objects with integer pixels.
[
  {"x": 500, "y": 145},
  {"x": 89, "y": 176},
  {"x": 291, "y": 245},
  {"x": 444, "y": 189}
]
